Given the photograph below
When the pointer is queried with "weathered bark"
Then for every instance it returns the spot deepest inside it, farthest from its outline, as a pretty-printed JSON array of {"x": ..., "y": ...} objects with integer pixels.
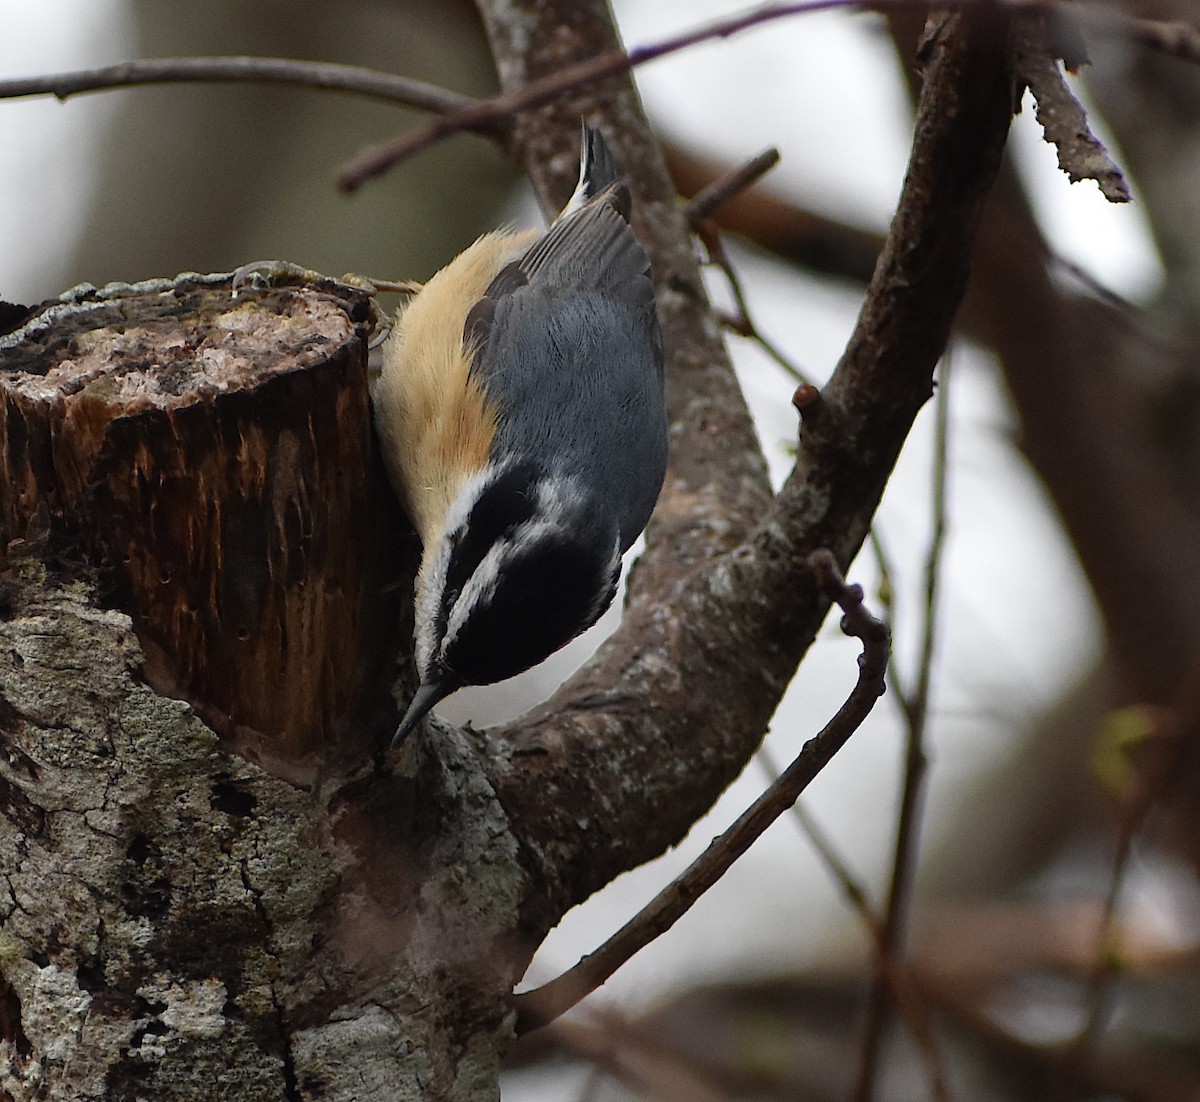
[
  {"x": 215, "y": 452},
  {"x": 358, "y": 936},
  {"x": 175, "y": 916}
]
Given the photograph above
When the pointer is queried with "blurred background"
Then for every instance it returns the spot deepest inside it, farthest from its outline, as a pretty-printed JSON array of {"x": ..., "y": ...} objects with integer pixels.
[{"x": 1055, "y": 915}]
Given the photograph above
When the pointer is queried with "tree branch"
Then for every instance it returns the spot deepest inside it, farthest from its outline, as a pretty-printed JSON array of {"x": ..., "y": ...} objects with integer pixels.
[
  {"x": 715, "y": 194},
  {"x": 1176, "y": 38},
  {"x": 244, "y": 70},
  {"x": 814, "y": 241},
  {"x": 619, "y": 764},
  {"x": 554, "y": 82},
  {"x": 536, "y": 1008}
]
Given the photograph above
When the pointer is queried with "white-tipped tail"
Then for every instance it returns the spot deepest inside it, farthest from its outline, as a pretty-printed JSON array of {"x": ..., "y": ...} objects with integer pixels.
[{"x": 597, "y": 170}]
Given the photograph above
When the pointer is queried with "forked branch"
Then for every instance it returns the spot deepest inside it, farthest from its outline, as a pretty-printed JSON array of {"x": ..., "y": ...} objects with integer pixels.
[{"x": 536, "y": 1008}]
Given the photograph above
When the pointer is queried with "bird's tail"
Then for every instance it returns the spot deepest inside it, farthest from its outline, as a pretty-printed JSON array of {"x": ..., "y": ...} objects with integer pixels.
[{"x": 597, "y": 170}]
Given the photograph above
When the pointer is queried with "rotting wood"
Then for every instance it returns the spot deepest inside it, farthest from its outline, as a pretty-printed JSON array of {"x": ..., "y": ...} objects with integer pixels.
[{"x": 214, "y": 452}]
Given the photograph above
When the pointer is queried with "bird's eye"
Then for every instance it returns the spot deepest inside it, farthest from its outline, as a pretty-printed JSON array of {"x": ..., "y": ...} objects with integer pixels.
[{"x": 543, "y": 597}]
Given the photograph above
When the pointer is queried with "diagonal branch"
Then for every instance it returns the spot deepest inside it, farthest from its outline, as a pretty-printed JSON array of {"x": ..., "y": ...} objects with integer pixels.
[
  {"x": 619, "y": 764},
  {"x": 536, "y": 1008},
  {"x": 550, "y": 86},
  {"x": 546, "y": 88}
]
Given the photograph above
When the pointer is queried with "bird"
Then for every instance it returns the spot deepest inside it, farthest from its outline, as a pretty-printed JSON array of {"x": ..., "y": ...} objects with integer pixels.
[{"x": 522, "y": 421}]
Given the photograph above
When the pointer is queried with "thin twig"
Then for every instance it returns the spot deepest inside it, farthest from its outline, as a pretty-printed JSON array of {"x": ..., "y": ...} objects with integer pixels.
[
  {"x": 1102, "y": 979},
  {"x": 740, "y": 321},
  {"x": 462, "y": 113},
  {"x": 244, "y": 70},
  {"x": 910, "y": 1006},
  {"x": 377, "y": 159},
  {"x": 887, "y": 604},
  {"x": 712, "y": 197},
  {"x": 916, "y": 711},
  {"x": 1175, "y": 38},
  {"x": 700, "y": 209},
  {"x": 1148, "y": 794},
  {"x": 885, "y": 594},
  {"x": 835, "y": 863},
  {"x": 937, "y": 543},
  {"x": 544, "y": 1004},
  {"x": 912, "y": 1010}
]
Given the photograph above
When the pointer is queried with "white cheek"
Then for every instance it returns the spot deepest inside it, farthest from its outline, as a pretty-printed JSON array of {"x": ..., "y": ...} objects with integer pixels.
[
  {"x": 431, "y": 579},
  {"x": 478, "y": 591}
]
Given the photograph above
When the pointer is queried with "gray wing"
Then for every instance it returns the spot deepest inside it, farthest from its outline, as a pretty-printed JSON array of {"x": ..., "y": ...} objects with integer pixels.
[
  {"x": 596, "y": 245},
  {"x": 593, "y": 248},
  {"x": 567, "y": 344}
]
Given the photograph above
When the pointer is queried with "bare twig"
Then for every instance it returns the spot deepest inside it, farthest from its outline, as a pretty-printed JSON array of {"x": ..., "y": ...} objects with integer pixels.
[
  {"x": 1081, "y": 155},
  {"x": 1106, "y": 965},
  {"x": 486, "y": 113},
  {"x": 245, "y": 70},
  {"x": 805, "y": 237},
  {"x": 916, "y": 711},
  {"x": 462, "y": 113},
  {"x": 885, "y": 594},
  {"x": 700, "y": 209},
  {"x": 740, "y": 321},
  {"x": 544, "y": 1004},
  {"x": 379, "y": 158},
  {"x": 706, "y": 202},
  {"x": 912, "y": 1010},
  {"x": 835, "y": 863}
]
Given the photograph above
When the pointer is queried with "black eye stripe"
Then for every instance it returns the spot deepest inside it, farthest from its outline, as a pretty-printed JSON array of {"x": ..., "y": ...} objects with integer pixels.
[
  {"x": 505, "y": 504},
  {"x": 551, "y": 592}
]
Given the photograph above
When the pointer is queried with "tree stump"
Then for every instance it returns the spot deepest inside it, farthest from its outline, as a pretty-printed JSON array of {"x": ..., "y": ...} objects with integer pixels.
[
  {"x": 212, "y": 452},
  {"x": 176, "y": 923}
]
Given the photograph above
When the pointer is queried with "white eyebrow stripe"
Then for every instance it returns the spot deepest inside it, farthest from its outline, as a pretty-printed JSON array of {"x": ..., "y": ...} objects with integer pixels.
[
  {"x": 431, "y": 578},
  {"x": 482, "y": 584},
  {"x": 556, "y": 498}
]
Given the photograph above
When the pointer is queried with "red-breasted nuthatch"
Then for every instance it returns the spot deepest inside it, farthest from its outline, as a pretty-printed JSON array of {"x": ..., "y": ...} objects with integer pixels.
[{"x": 520, "y": 410}]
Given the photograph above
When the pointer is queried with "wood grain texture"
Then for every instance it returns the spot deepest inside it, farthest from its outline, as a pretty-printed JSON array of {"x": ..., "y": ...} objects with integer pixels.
[{"x": 215, "y": 454}]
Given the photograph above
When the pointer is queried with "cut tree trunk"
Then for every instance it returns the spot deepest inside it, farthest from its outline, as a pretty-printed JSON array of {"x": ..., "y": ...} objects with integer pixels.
[
  {"x": 212, "y": 452},
  {"x": 190, "y": 508}
]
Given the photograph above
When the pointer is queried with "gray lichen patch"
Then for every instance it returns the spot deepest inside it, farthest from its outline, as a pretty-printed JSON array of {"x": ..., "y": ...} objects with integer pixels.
[
  {"x": 171, "y": 916},
  {"x": 142, "y": 924}
]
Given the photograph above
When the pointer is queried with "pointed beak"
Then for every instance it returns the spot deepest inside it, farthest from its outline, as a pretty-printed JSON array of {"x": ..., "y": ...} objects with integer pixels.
[{"x": 428, "y": 694}]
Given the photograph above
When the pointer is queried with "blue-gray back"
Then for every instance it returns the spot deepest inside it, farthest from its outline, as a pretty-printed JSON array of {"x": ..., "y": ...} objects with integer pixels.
[{"x": 568, "y": 347}]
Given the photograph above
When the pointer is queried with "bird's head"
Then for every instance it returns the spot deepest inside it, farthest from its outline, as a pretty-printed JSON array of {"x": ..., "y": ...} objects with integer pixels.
[{"x": 526, "y": 562}]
